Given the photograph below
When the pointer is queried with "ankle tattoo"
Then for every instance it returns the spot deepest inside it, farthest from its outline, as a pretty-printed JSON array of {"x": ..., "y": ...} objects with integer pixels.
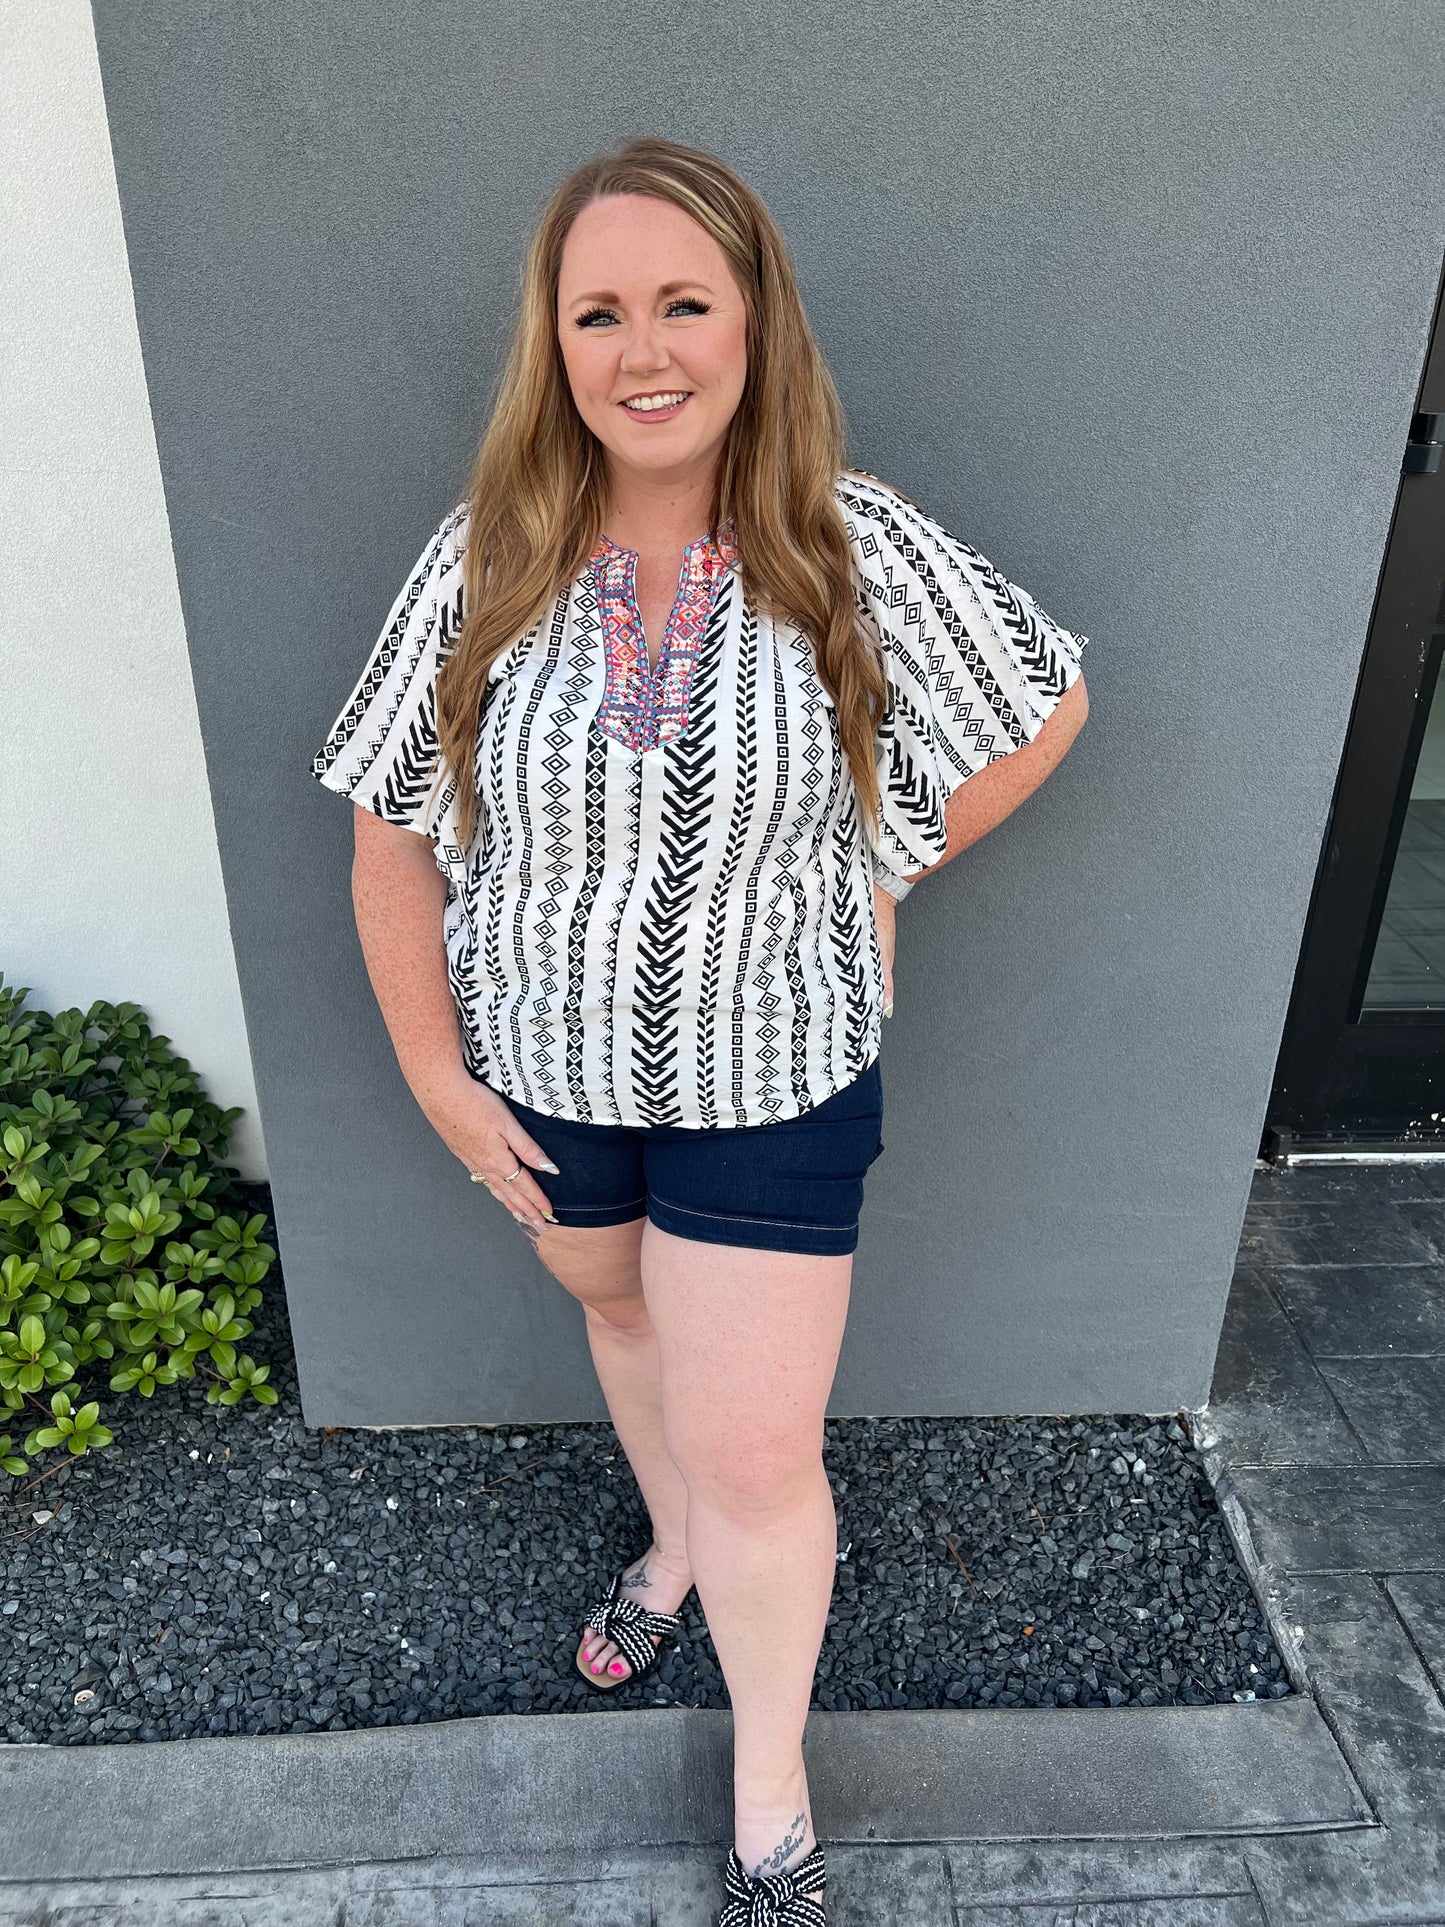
[{"x": 784, "y": 1850}]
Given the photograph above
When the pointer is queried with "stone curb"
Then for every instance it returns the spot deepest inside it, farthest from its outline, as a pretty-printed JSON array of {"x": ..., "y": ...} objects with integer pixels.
[{"x": 628, "y": 1780}]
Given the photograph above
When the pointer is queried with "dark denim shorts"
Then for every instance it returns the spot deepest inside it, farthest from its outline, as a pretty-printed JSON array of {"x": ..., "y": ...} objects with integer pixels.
[{"x": 794, "y": 1184}]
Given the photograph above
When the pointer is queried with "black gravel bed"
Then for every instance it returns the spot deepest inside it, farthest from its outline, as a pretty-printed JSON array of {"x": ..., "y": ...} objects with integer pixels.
[{"x": 225, "y": 1571}]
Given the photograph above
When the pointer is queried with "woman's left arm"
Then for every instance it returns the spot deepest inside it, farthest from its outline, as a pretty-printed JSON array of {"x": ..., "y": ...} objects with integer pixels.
[{"x": 981, "y": 804}]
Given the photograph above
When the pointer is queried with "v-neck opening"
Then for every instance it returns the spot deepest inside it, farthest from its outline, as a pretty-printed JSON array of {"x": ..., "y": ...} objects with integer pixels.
[{"x": 644, "y": 707}]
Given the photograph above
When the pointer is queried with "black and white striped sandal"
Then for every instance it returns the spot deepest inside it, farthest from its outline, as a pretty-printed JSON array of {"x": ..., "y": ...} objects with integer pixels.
[
  {"x": 775, "y": 1899},
  {"x": 631, "y": 1628}
]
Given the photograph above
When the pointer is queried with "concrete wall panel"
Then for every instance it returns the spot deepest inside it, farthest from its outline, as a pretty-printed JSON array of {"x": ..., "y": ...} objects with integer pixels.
[{"x": 1134, "y": 298}]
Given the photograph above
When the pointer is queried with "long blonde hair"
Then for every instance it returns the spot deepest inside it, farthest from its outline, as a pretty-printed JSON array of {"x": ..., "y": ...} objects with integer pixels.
[{"x": 538, "y": 493}]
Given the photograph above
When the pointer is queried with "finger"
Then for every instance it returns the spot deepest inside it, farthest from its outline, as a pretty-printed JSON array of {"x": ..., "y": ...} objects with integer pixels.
[
  {"x": 521, "y": 1213},
  {"x": 524, "y": 1185},
  {"x": 525, "y": 1193},
  {"x": 522, "y": 1207},
  {"x": 527, "y": 1148}
]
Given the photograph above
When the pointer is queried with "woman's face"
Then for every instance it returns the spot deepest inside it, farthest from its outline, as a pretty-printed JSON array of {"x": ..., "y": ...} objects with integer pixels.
[{"x": 653, "y": 331}]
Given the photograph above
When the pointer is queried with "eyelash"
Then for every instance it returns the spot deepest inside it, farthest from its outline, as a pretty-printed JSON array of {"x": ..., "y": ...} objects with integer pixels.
[{"x": 683, "y": 301}]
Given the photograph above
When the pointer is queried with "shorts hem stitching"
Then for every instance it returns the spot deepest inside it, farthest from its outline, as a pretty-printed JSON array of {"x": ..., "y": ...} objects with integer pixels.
[
  {"x": 736, "y": 1217},
  {"x": 626, "y": 1205}
]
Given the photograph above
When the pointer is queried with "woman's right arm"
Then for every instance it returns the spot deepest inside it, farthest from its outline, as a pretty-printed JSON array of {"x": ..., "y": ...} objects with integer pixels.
[{"x": 399, "y": 896}]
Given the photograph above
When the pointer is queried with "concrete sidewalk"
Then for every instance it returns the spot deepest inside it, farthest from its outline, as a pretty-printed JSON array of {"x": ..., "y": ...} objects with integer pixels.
[{"x": 1319, "y": 1810}]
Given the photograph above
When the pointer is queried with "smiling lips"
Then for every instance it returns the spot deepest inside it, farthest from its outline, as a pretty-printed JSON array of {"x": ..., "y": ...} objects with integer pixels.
[{"x": 665, "y": 403}]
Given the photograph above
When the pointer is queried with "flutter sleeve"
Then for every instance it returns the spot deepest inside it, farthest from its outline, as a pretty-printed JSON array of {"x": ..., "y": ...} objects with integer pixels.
[
  {"x": 975, "y": 667},
  {"x": 383, "y": 751}
]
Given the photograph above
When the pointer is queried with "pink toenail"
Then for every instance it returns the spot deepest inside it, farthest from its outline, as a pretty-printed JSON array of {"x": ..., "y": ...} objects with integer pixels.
[
  {"x": 616, "y": 1666},
  {"x": 597, "y": 1665}
]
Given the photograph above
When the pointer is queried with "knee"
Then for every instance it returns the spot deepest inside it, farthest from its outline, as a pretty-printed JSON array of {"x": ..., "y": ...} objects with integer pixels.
[
  {"x": 620, "y": 1317},
  {"x": 752, "y": 1476}
]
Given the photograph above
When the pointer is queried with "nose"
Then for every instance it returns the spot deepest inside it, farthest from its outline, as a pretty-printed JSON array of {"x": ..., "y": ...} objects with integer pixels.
[{"x": 643, "y": 352}]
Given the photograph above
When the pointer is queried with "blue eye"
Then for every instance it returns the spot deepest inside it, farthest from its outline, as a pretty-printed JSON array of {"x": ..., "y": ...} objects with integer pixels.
[{"x": 606, "y": 314}]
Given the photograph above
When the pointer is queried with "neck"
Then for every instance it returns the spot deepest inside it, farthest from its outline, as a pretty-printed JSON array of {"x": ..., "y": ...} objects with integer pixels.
[{"x": 658, "y": 511}]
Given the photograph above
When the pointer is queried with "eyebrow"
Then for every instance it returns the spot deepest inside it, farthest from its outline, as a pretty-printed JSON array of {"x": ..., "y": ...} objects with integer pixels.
[{"x": 668, "y": 287}]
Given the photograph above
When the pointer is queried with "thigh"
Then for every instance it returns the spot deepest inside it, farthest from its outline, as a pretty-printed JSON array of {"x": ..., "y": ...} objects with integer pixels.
[{"x": 749, "y": 1343}]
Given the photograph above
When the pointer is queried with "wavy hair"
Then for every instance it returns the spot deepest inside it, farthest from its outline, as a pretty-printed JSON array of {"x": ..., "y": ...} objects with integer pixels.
[{"x": 538, "y": 495}]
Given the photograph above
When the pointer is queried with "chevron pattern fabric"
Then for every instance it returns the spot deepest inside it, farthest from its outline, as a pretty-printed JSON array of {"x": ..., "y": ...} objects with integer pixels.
[{"x": 665, "y": 915}]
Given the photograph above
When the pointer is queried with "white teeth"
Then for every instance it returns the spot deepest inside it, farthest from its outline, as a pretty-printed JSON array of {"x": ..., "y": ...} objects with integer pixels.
[{"x": 646, "y": 404}]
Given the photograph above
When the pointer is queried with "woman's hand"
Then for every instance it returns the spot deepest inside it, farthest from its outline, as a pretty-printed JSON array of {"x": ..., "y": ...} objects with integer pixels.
[
  {"x": 478, "y": 1126},
  {"x": 883, "y": 909}
]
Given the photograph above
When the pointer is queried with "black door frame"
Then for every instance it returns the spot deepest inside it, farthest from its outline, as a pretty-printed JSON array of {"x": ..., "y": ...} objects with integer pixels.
[{"x": 1346, "y": 1075}]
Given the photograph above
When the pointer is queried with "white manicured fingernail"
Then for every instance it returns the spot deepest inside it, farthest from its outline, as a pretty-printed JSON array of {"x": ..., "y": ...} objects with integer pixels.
[{"x": 549, "y": 1166}]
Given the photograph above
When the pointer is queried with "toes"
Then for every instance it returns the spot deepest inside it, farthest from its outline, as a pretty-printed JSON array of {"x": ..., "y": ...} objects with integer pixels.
[{"x": 600, "y": 1657}]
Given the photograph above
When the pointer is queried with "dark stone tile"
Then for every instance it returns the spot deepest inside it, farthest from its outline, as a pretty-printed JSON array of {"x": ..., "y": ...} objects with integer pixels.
[
  {"x": 1195, "y": 1910},
  {"x": 1427, "y": 1217},
  {"x": 867, "y": 1885},
  {"x": 1268, "y": 1403},
  {"x": 1344, "y": 1518},
  {"x": 1072, "y": 1873},
  {"x": 594, "y": 1903},
  {"x": 1396, "y": 1405},
  {"x": 1347, "y": 1232},
  {"x": 1419, "y": 1599},
  {"x": 1356, "y": 1311},
  {"x": 1378, "y": 1696},
  {"x": 1382, "y": 1874}
]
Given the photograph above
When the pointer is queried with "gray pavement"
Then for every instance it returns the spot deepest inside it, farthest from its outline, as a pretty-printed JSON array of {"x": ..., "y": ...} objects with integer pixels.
[{"x": 1326, "y": 1437}]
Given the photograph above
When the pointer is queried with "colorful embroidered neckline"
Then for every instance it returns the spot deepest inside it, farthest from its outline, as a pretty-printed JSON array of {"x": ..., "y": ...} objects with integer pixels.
[{"x": 640, "y": 708}]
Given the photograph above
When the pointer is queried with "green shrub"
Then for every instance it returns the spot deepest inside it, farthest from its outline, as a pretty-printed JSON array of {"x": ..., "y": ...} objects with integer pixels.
[{"x": 118, "y": 1255}]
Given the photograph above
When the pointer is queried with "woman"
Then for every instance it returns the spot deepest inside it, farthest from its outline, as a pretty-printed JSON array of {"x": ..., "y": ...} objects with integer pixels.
[{"x": 671, "y": 712}]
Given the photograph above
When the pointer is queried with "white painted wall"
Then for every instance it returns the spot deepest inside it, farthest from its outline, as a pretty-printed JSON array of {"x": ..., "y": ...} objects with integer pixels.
[{"x": 110, "y": 886}]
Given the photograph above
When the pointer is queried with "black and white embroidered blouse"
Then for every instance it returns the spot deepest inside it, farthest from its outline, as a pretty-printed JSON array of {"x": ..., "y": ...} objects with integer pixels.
[{"x": 665, "y": 915}]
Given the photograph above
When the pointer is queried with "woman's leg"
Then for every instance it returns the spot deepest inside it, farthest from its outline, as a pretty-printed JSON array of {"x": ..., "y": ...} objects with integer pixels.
[
  {"x": 601, "y": 1268},
  {"x": 749, "y": 1344}
]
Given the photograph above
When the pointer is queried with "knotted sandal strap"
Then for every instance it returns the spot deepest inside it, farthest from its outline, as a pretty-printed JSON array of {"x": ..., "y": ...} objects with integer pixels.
[
  {"x": 775, "y": 1899},
  {"x": 629, "y": 1627}
]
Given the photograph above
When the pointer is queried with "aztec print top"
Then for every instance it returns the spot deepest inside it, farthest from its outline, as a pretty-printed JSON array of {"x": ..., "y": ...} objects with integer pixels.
[{"x": 665, "y": 915}]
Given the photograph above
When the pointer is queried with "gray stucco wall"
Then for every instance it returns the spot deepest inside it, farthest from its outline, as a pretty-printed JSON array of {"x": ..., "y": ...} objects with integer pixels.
[{"x": 1135, "y": 299}]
